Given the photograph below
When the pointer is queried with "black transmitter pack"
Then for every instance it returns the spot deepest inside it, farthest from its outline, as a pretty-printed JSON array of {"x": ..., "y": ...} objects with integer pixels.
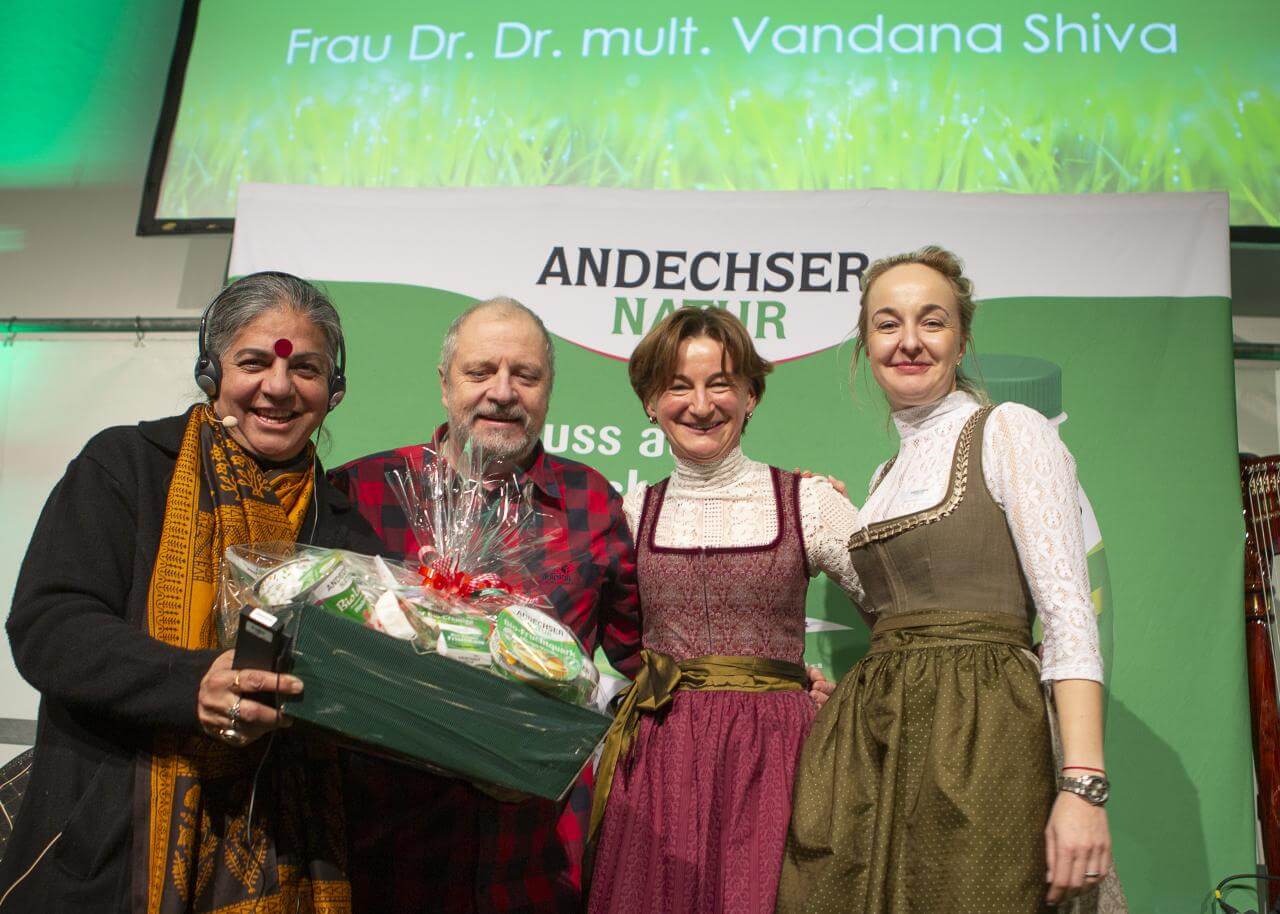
[{"x": 261, "y": 644}]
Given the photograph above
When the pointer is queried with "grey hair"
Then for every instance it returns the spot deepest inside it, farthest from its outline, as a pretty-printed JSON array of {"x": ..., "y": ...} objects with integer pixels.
[
  {"x": 507, "y": 305},
  {"x": 245, "y": 300}
]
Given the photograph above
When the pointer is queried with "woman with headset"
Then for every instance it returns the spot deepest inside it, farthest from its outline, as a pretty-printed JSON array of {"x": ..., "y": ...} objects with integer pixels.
[{"x": 148, "y": 790}]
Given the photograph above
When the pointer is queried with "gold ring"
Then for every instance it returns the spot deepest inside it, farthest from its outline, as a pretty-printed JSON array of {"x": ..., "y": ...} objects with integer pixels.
[{"x": 235, "y": 683}]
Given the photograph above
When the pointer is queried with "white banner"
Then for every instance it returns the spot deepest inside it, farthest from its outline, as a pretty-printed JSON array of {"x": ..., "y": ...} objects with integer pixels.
[{"x": 601, "y": 266}]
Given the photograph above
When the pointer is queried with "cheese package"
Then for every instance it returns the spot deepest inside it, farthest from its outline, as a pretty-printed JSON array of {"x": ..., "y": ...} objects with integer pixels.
[
  {"x": 322, "y": 579},
  {"x": 464, "y": 638},
  {"x": 531, "y": 647}
]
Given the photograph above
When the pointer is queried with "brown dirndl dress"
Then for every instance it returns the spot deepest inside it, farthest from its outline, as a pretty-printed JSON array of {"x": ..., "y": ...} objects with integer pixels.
[{"x": 928, "y": 777}]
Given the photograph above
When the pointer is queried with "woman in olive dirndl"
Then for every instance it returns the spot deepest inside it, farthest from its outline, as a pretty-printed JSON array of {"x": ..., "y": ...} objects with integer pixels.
[{"x": 928, "y": 782}]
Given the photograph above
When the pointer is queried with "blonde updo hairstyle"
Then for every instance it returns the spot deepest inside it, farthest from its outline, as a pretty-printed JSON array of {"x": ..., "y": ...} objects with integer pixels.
[{"x": 951, "y": 267}]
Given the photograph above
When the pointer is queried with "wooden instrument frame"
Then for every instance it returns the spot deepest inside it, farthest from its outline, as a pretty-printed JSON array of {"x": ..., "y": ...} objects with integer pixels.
[{"x": 1260, "y": 490}]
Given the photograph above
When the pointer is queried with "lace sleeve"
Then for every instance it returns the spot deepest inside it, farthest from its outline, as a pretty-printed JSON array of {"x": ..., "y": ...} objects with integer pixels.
[
  {"x": 1032, "y": 475},
  {"x": 633, "y": 504},
  {"x": 828, "y": 519}
]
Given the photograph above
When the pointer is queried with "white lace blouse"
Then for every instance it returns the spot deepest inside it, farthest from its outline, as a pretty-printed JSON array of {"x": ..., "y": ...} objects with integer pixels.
[
  {"x": 731, "y": 503},
  {"x": 1032, "y": 477}
]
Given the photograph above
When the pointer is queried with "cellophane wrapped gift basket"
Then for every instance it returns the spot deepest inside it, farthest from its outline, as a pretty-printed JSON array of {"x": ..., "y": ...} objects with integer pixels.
[{"x": 455, "y": 663}]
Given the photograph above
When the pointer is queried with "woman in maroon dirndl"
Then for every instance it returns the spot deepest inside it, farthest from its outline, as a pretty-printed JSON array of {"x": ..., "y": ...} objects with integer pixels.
[{"x": 694, "y": 787}]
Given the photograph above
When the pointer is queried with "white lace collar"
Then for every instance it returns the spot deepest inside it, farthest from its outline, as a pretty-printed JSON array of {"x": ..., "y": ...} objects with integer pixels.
[
  {"x": 916, "y": 420},
  {"x": 733, "y": 469}
]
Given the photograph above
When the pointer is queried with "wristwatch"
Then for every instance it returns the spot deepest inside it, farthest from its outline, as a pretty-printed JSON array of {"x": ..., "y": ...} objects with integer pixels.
[{"x": 1094, "y": 788}]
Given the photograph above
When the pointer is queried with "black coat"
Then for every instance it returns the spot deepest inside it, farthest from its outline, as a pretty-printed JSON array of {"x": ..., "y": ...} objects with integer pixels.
[{"x": 79, "y": 635}]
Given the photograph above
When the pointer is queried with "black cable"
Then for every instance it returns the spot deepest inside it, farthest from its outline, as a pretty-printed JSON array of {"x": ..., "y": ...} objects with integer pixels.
[
  {"x": 1239, "y": 877},
  {"x": 248, "y": 818},
  {"x": 253, "y": 790},
  {"x": 248, "y": 822}
]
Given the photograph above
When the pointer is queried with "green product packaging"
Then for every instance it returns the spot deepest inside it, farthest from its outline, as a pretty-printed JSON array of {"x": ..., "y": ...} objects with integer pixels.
[
  {"x": 338, "y": 593},
  {"x": 531, "y": 647},
  {"x": 325, "y": 581},
  {"x": 464, "y": 638}
]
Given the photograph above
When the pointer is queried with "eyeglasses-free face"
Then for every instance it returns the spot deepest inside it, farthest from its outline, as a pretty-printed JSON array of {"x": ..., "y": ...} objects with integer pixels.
[
  {"x": 914, "y": 341},
  {"x": 704, "y": 408},
  {"x": 277, "y": 401}
]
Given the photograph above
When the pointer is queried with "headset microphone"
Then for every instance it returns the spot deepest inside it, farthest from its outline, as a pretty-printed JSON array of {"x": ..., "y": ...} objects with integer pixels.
[{"x": 208, "y": 371}]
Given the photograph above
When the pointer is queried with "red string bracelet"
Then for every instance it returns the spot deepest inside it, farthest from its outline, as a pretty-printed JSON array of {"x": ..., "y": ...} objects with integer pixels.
[{"x": 1083, "y": 768}]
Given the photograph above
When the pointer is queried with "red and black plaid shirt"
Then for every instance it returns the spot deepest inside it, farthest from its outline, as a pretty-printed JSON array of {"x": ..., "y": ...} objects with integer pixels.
[{"x": 424, "y": 843}]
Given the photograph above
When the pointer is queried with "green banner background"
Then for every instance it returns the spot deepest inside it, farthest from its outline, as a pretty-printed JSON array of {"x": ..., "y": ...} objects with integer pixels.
[{"x": 1148, "y": 389}]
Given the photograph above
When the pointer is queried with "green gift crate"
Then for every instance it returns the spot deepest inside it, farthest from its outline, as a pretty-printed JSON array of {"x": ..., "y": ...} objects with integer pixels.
[{"x": 381, "y": 692}]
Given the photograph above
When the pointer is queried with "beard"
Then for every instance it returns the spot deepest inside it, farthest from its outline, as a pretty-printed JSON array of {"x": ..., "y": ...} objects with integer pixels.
[{"x": 512, "y": 443}]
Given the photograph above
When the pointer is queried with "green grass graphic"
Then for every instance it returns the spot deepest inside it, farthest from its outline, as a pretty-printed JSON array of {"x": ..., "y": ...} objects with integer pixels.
[{"x": 821, "y": 128}]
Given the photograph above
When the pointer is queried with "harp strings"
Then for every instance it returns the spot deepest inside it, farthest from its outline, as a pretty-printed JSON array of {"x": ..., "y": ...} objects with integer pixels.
[
  {"x": 1264, "y": 508},
  {"x": 1262, "y": 491}
]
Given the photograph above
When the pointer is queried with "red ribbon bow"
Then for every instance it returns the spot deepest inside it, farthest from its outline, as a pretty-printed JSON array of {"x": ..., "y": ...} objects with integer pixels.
[{"x": 460, "y": 583}]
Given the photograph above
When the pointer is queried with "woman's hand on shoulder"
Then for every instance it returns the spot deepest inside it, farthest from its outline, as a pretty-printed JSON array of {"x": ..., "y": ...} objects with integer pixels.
[
  {"x": 820, "y": 687},
  {"x": 227, "y": 715},
  {"x": 836, "y": 484},
  {"x": 1077, "y": 847}
]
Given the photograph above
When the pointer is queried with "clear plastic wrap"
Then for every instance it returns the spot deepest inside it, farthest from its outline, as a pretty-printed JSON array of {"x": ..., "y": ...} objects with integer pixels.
[
  {"x": 272, "y": 575},
  {"x": 487, "y": 628},
  {"x": 476, "y": 532}
]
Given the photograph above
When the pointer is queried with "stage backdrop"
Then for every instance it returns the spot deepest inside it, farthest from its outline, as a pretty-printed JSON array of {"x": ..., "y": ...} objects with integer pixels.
[{"x": 1121, "y": 304}]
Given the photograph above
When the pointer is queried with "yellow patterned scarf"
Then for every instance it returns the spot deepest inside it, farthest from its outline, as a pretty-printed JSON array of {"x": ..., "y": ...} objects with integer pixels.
[{"x": 197, "y": 846}]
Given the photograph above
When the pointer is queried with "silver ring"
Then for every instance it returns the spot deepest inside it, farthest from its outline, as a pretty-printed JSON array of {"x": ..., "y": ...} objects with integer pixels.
[
  {"x": 234, "y": 713},
  {"x": 1092, "y": 875}
]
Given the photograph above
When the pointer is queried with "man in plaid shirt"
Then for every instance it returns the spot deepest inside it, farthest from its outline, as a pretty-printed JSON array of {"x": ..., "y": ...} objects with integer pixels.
[{"x": 419, "y": 842}]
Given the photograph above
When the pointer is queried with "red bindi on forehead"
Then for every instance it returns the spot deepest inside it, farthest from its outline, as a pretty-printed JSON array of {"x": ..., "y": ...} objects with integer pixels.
[{"x": 283, "y": 348}]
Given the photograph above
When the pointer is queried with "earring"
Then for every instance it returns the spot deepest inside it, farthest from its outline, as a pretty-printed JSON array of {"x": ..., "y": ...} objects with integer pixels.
[
  {"x": 750, "y": 414},
  {"x": 653, "y": 420}
]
